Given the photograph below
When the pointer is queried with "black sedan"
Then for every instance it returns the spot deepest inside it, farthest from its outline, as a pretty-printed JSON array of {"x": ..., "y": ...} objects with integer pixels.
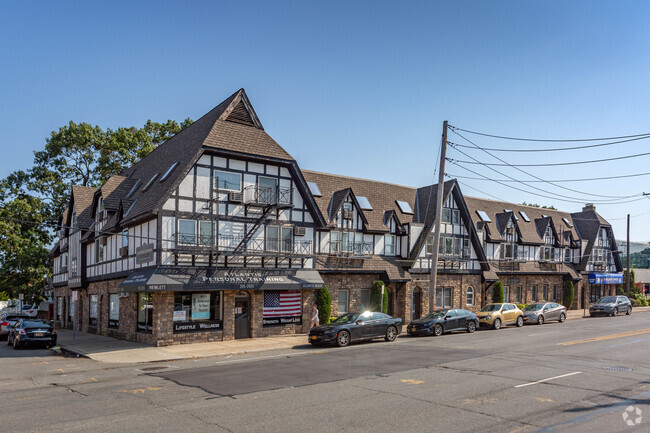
[
  {"x": 437, "y": 322},
  {"x": 31, "y": 332},
  {"x": 356, "y": 327}
]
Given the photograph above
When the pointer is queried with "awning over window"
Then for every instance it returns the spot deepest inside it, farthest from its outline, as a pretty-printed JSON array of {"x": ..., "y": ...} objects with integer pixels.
[
  {"x": 179, "y": 278},
  {"x": 595, "y": 278}
]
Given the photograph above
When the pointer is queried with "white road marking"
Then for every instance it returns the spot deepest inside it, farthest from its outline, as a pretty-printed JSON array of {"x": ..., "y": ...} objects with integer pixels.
[
  {"x": 542, "y": 333},
  {"x": 547, "y": 379}
]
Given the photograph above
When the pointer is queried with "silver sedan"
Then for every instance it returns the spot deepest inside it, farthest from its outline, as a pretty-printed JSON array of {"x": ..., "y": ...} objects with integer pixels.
[{"x": 544, "y": 311}]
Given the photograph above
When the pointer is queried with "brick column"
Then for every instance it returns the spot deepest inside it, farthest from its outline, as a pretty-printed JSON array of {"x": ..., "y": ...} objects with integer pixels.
[
  {"x": 163, "y": 311},
  {"x": 229, "y": 315}
]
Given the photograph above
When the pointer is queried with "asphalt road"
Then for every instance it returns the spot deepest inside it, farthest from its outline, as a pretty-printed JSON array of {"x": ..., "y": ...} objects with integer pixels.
[{"x": 580, "y": 376}]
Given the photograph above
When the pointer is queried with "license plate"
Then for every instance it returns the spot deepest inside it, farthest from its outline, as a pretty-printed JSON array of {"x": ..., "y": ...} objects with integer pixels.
[
  {"x": 38, "y": 334},
  {"x": 413, "y": 329},
  {"x": 313, "y": 337}
]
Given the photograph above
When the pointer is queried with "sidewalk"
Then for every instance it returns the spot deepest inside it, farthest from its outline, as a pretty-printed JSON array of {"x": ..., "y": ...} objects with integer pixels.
[{"x": 112, "y": 350}]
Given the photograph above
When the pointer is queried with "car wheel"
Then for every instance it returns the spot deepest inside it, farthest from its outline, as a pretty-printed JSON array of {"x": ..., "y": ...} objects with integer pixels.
[
  {"x": 562, "y": 317},
  {"x": 343, "y": 339},
  {"x": 520, "y": 322},
  {"x": 615, "y": 313},
  {"x": 629, "y": 311},
  {"x": 437, "y": 330},
  {"x": 540, "y": 320},
  {"x": 391, "y": 333},
  {"x": 8, "y": 341},
  {"x": 496, "y": 324},
  {"x": 471, "y": 327}
]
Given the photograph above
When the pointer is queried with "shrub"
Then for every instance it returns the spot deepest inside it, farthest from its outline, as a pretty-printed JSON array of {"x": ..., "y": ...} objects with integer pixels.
[
  {"x": 567, "y": 297},
  {"x": 641, "y": 300},
  {"x": 323, "y": 301},
  {"x": 521, "y": 306},
  {"x": 497, "y": 292},
  {"x": 375, "y": 295}
]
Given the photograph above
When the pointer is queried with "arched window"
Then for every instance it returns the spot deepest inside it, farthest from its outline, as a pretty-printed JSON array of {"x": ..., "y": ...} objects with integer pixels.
[{"x": 470, "y": 296}]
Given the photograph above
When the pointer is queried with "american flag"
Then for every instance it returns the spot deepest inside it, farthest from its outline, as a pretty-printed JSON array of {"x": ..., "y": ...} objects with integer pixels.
[{"x": 282, "y": 304}]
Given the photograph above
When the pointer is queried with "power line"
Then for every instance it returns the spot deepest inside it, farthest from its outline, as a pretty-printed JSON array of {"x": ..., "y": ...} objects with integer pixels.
[
  {"x": 532, "y": 175},
  {"x": 557, "y": 164},
  {"x": 546, "y": 140},
  {"x": 493, "y": 149},
  {"x": 555, "y": 180}
]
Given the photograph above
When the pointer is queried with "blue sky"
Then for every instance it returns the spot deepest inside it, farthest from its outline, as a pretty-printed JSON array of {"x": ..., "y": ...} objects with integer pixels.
[{"x": 354, "y": 88}]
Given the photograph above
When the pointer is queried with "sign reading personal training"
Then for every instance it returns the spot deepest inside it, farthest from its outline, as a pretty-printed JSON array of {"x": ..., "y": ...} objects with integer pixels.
[{"x": 180, "y": 278}]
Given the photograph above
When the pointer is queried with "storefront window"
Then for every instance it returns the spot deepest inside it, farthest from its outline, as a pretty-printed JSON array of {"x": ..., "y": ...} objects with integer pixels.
[
  {"x": 365, "y": 299},
  {"x": 506, "y": 293},
  {"x": 518, "y": 294},
  {"x": 534, "y": 293},
  {"x": 92, "y": 309},
  {"x": 197, "y": 311},
  {"x": 114, "y": 311},
  {"x": 145, "y": 312},
  {"x": 544, "y": 293},
  {"x": 343, "y": 302}
]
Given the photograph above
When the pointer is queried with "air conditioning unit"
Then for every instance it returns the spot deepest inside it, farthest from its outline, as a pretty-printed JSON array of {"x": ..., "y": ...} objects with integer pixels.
[
  {"x": 235, "y": 197},
  {"x": 124, "y": 251},
  {"x": 347, "y": 214},
  {"x": 298, "y": 231}
]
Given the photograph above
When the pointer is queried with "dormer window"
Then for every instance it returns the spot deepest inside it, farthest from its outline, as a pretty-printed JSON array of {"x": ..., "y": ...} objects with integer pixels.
[
  {"x": 364, "y": 203},
  {"x": 73, "y": 223},
  {"x": 227, "y": 180}
]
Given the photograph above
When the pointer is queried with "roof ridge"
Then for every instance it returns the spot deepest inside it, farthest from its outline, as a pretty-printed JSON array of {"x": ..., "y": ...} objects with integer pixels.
[
  {"x": 518, "y": 204},
  {"x": 358, "y": 178}
]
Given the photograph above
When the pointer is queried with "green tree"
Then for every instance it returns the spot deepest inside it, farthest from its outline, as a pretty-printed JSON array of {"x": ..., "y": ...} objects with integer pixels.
[
  {"x": 323, "y": 301},
  {"x": 497, "y": 292},
  {"x": 569, "y": 292},
  {"x": 376, "y": 301}
]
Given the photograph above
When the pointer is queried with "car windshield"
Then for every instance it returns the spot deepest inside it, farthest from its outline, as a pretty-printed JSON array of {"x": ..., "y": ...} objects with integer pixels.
[
  {"x": 347, "y": 318},
  {"x": 435, "y": 315},
  {"x": 35, "y": 324},
  {"x": 607, "y": 300},
  {"x": 491, "y": 307},
  {"x": 533, "y": 307}
]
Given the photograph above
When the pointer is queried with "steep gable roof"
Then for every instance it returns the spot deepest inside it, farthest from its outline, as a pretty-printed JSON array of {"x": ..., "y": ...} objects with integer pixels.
[
  {"x": 231, "y": 126},
  {"x": 82, "y": 198}
]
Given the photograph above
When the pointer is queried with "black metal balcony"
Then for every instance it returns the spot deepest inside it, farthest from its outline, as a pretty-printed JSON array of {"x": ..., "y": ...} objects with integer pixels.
[
  {"x": 278, "y": 197},
  {"x": 351, "y": 248}
]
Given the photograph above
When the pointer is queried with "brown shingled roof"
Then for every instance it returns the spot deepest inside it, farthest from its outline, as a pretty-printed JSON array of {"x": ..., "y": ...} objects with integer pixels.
[
  {"x": 387, "y": 266},
  {"x": 382, "y": 196},
  {"x": 82, "y": 197}
]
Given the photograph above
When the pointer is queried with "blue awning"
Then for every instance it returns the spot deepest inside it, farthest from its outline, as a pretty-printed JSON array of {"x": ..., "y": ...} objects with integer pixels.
[{"x": 595, "y": 278}]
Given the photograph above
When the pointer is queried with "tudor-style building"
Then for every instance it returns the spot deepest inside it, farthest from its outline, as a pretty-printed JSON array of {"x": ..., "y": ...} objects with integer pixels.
[{"x": 218, "y": 234}]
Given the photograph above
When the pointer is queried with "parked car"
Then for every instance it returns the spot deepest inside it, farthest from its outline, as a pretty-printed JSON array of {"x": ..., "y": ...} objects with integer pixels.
[
  {"x": 611, "y": 306},
  {"x": 352, "y": 327},
  {"x": 31, "y": 332},
  {"x": 496, "y": 315},
  {"x": 437, "y": 322},
  {"x": 30, "y": 310},
  {"x": 543, "y": 312},
  {"x": 8, "y": 320}
]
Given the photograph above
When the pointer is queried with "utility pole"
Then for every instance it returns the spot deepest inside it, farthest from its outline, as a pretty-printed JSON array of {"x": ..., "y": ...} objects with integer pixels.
[
  {"x": 438, "y": 218},
  {"x": 629, "y": 273}
]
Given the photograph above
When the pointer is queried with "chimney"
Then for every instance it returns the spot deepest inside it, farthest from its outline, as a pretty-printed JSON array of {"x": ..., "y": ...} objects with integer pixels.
[{"x": 588, "y": 207}]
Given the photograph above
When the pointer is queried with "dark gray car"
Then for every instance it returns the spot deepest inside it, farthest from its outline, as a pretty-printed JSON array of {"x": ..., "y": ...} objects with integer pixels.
[
  {"x": 543, "y": 312},
  {"x": 611, "y": 306}
]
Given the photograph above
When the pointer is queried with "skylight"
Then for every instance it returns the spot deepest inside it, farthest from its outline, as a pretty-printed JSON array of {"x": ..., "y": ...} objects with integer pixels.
[
  {"x": 133, "y": 189},
  {"x": 315, "y": 191},
  {"x": 484, "y": 216},
  {"x": 524, "y": 216},
  {"x": 151, "y": 181},
  {"x": 364, "y": 202},
  {"x": 513, "y": 214},
  {"x": 566, "y": 221},
  {"x": 404, "y": 207},
  {"x": 130, "y": 207},
  {"x": 168, "y": 172},
  {"x": 544, "y": 216}
]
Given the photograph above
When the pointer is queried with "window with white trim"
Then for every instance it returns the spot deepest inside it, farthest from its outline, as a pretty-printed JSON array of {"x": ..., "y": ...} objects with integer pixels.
[
  {"x": 343, "y": 301},
  {"x": 470, "y": 296}
]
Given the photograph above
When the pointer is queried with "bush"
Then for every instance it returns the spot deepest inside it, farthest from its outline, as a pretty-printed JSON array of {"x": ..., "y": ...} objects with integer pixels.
[
  {"x": 323, "y": 301},
  {"x": 567, "y": 297},
  {"x": 497, "y": 292},
  {"x": 521, "y": 306},
  {"x": 375, "y": 295},
  {"x": 641, "y": 300}
]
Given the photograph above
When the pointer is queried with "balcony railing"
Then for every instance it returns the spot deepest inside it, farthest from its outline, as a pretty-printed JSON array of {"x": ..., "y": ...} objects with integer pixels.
[
  {"x": 259, "y": 195},
  {"x": 351, "y": 248},
  {"x": 225, "y": 244}
]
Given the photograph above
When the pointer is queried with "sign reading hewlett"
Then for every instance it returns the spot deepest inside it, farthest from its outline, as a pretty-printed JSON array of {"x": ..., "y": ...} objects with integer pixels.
[
  {"x": 144, "y": 254},
  {"x": 595, "y": 278},
  {"x": 197, "y": 326}
]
